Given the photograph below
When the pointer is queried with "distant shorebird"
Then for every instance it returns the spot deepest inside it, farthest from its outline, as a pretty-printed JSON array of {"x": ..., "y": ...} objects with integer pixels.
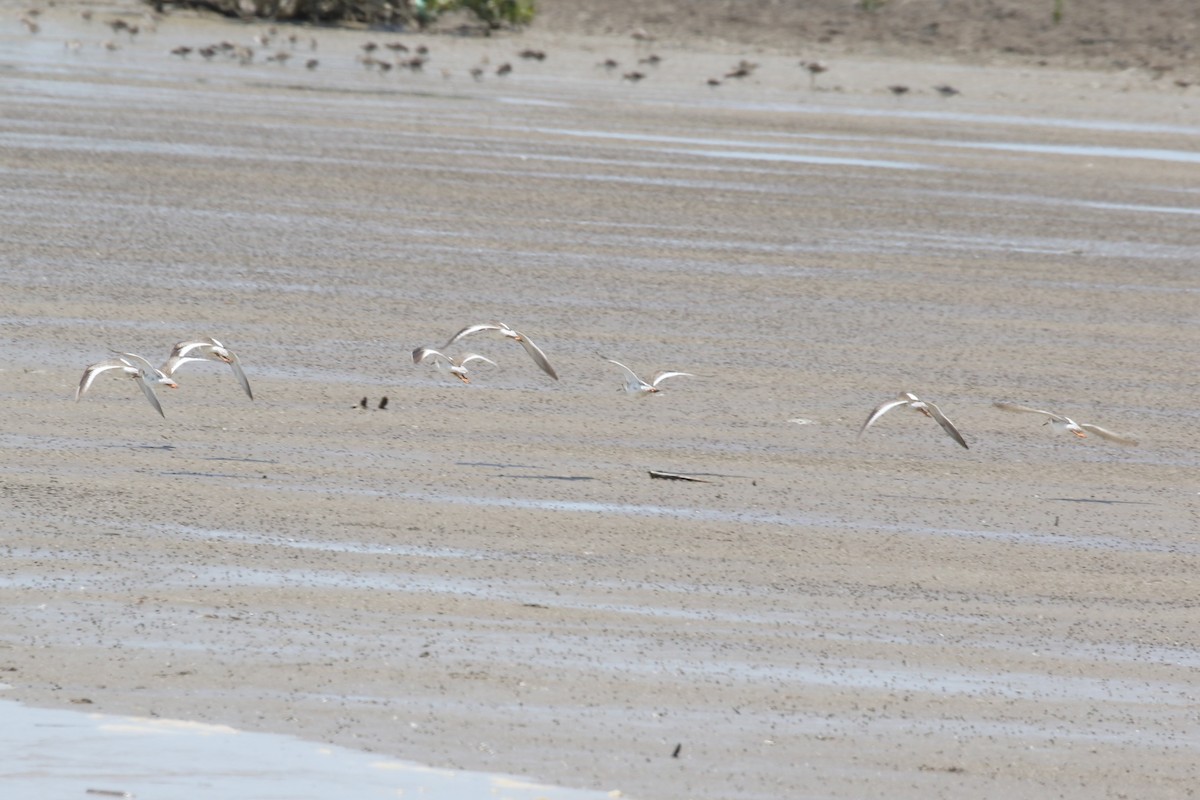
[
  {"x": 458, "y": 365},
  {"x": 917, "y": 404},
  {"x": 132, "y": 366},
  {"x": 532, "y": 349},
  {"x": 1063, "y": 424},
  {"x": 206, "y": 349},
  {"x": 742, "y": 69},
  {"x": 814, "y": 69},
  {"x": 635, "y": 385},
  {"x": 641, "y": 36}
]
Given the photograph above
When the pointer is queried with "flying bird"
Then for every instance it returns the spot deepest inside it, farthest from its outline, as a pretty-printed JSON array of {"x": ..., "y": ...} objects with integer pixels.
[
  {"x": 635, "y": 385},
  {"x": 206, "y": 349},
  {"x": 132, "y": 366},
  {"x": 458, "y": 365},
  {"x": 917, "y": 404},
  {"x": 1062, "y": 424},
  {"x": 532, "y": 349}
]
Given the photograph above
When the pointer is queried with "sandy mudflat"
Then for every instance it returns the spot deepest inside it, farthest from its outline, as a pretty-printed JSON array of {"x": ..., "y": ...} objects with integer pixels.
[{"x": 485, "y": 576}]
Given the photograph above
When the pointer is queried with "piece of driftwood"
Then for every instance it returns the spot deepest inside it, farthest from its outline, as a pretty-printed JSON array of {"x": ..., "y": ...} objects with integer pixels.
[{"x": 674, "y": 476}]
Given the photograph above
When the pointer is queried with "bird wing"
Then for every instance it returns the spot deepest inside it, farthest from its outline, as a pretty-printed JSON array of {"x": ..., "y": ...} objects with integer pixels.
[
  {"x": 236, "y": 366},
  {"x": 1107, "y": 434},
  {"x": 878, "y": 412},
  {"x": 538, "y": 356},
  {"x": 633, "y": 381},
  {"x": 172, "y": 364},
  {"x": 946, "y": 424},
  {"x": 90, "y": 373},
  {"x": 662, "y": 376},
  {"x": 423, "y": 353},
  {"x": 142, "y": 362},
  {"x": 469, "y": 357},
  {"x": 632, "y": 374},
  {"x": 467, "y": 331},
  {"x": 1027, "y": 409},
  {"x": 183, "y": 348},
  {"x": 148, "y": 390}
]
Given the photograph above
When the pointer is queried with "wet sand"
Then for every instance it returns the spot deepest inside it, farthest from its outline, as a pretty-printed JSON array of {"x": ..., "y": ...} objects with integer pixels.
[{"x": 484, "y": 576}]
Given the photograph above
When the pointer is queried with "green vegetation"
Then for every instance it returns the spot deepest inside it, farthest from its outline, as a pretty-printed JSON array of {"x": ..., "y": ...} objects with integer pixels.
[{"x": 495, "y": 13}]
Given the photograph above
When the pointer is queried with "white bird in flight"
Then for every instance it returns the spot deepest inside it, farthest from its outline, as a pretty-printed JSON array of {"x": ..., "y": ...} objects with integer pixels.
[
  {"x": 532, "y": 349},
  {"x": 1063, "y": 424},
  {"x": 917, "y": 404},
  {"x": 458, "y": 365},
  {"x": 635, "y": 385},
  {"x": 206, "y": 349},
  {"x": 132, "y": 366}
]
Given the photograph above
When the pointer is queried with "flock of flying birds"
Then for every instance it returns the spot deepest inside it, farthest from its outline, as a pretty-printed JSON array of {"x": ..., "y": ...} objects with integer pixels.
[
  {"x": 1058, "y": 422},
  {"x": 146, "y": 375}
]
